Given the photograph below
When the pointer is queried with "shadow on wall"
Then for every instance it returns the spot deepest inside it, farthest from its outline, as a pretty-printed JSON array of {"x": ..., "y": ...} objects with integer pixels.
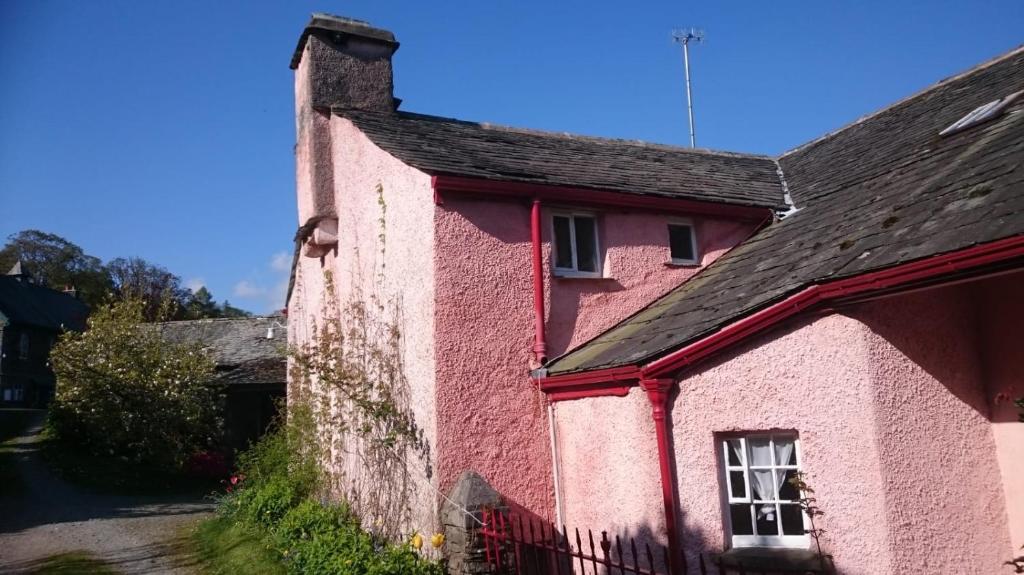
[{"x": 945, "y": 345}]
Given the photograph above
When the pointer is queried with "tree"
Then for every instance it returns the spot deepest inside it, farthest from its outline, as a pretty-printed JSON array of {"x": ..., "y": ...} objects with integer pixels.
[
  {"x": 228, "y": 310},
  {"x": 53, "y": 261},
  {"x": 136, "y": 279},
  {"x": 201, "y": 305},
  {"x": 122, "y": 391}
]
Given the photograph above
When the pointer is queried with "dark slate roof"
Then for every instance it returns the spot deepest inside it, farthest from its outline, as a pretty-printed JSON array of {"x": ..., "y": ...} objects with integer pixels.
[
  {"x": 239, "y": 346},
  {"x": 26, "y": 303},
  {"x": 445, "y": 146},
  {"x": 880, "y": 192}
]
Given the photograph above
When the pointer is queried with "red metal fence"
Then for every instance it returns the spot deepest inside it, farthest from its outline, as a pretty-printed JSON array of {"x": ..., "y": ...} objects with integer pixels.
[{"x": 529, "y": 546}]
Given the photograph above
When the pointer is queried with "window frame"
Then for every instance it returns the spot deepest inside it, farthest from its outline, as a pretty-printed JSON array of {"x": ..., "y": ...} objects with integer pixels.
[
  {"x": 745, "y": 541},
  {"x": 575, "y": 272},
  {"x": 679, "y": 222}
]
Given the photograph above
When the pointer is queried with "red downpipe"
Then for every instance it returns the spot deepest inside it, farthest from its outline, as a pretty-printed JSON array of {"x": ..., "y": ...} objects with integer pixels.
[
  {"x": 540, "y": 346},
  {"x": 658, "y": 392}
]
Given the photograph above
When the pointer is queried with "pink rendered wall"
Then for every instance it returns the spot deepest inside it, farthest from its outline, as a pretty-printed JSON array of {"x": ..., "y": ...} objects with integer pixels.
[
  {"x": 314, "y": 176},
  {"x": 484, "y": 326},
  {"x": 609, "y": 466},
  {"x": 813, "y": 379},
  {"x": 383, "y": 257},
  {"x": 944, "y": 497},
  {"x": 635, "y": 270},
  {"x": 892, "y": 406},
  {"x": 1001, "y": 315}
]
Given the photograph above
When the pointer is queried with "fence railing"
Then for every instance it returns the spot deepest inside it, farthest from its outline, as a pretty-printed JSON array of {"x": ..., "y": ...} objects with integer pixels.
[{"x": 529, "y": 546}]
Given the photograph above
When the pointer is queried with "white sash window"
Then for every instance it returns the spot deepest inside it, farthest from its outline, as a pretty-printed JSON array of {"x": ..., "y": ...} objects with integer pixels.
[{"x": 763, "y": 507}]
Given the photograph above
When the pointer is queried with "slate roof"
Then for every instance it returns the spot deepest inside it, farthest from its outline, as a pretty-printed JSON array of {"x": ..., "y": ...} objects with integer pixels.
[
  {"x": 444, "y": 146},
  {"x": 239, "y": 346},
  {"x": 26, "y": 303},
  {"x": 883, "y": 191}
]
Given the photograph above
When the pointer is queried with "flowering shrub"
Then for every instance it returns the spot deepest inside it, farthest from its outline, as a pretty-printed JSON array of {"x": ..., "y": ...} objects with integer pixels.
[{"x": 123, "y": 392}]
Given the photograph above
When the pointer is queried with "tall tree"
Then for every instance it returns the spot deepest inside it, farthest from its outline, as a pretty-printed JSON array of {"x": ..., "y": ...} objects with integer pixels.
[
  {"x": 228, "y": 310},
  {"x": 135, "y": 278},
  {"x": 53, "y": 261},
  {"x": 201, "y": 305}
]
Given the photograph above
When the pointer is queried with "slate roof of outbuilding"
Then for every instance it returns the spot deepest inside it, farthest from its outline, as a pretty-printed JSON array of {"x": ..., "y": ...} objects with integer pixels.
[
  {"x": 445, "y": 146},
  {"x": 883, "y": 191},
  {"x": 26, "y": 303},
  {"x": 239, "y": 346}
]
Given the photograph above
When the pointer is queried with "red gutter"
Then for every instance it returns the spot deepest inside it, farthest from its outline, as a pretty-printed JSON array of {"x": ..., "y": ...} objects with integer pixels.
[
  {"x": 613, "y": 381},
  {"x": 658, "y": 393},
  {"x": 901, "y": 275},
  {"x": 540, "y": 347},
  {"x": 587, "y": 196}
]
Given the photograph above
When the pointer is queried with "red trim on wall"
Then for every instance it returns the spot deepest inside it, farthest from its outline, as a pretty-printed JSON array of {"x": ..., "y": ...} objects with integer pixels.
[
  {"x": 906, "y": 275},
  {"x": 540, "y": 346},
  {"x": 587, "y": 196}
]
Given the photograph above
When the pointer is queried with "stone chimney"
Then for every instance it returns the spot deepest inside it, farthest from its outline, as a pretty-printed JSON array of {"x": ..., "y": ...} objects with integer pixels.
[
  {"x": 339, "y": 62},
  {"x": 346, "y": 63}
]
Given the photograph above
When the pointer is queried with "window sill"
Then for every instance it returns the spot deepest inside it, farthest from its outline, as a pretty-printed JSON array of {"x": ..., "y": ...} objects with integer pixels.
[
  {"x": 570, "y": 275},
  {"x": 682, "y": 264},
  {"x": 773, "y": 558}
]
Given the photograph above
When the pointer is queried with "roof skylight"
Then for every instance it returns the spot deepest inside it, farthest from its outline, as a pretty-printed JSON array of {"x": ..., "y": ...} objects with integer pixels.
[{"x": 981, "y": 114}]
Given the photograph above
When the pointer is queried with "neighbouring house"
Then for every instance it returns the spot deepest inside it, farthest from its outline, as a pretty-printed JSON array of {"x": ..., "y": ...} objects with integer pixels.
[
  {"x": 652, "y": 340},
  {"x": 251, "y": 362},
  {"x": 32, "y": 317}
]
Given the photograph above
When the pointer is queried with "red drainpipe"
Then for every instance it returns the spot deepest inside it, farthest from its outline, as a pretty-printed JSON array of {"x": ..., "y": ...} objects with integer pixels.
[
  {"x": 658, "y": 392},
  {"x": 540, "y": 346}
]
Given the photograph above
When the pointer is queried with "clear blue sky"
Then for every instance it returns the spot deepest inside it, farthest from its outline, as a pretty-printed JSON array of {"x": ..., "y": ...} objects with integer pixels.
[{"x": 165, "y": 129}]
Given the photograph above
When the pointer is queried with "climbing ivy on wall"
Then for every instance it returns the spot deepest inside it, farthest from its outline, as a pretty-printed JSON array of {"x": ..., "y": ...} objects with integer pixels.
[{"x": 350, "y": 372}]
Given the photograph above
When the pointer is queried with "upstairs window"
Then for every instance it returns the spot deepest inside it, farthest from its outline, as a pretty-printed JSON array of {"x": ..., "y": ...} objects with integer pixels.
[
  {"x": 682, "y": 241},
  {"x": 763, "y": 507},
  {"x": 23, "y": 344},
  {"x": 576, "y": 250}
]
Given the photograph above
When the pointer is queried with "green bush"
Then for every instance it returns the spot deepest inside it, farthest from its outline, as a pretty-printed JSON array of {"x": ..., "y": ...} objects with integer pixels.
[
  {"x": 273, "y": 496},
  {"x": 123, "y": 392}
]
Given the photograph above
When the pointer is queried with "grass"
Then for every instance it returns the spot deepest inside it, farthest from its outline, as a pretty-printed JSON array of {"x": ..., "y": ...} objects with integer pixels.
[
  {"x": 224, "y": 548},
  {"x": 73, "y": 563}
]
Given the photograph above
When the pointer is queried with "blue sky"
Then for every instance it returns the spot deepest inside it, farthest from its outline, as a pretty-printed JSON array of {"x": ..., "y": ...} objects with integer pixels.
[{"x": 165, "y": 129}]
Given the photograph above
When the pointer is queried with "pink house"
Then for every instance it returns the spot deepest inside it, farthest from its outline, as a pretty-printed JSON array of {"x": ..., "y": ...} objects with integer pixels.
[{"x": 652, "y": 340}]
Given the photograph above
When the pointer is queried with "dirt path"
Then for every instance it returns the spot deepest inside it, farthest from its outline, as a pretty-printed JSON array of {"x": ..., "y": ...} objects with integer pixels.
[{"x": 47, "y": 516}]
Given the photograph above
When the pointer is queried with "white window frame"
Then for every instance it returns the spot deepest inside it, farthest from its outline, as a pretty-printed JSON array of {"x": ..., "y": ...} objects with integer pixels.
[
  {"x": 693, "y": 242},
  {"x": 574, "y": 271},
  {"x": 755, "y": 540}
]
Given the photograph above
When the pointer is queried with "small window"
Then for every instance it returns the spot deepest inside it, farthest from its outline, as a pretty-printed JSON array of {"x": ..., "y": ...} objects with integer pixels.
[
  {"x": 682, "y": 241},
  {"x": 764, "y": 510},
  {"x": 576, "y": 251},
  {"x": 23, "y": 346}
]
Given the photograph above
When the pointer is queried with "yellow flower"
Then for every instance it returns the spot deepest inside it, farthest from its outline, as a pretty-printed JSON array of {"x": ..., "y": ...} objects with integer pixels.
[
  {"x": 437, "y": 540},
  {"x": 417, "y": 541}
]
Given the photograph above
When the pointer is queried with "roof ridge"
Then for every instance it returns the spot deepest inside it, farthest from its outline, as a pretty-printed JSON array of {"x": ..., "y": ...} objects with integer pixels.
[
  {"x": 218, "y": 319},
  {"x": 565, "y": 135},
  {"x": 922, "y": 92}
]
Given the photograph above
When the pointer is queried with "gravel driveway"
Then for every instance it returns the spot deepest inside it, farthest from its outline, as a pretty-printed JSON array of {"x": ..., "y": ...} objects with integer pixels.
[{"x": 134, "y": 534}]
